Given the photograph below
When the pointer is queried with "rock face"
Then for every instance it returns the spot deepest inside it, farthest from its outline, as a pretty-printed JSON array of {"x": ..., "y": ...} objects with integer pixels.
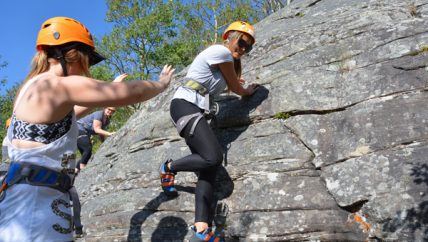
[{"x": 332, "y": 147}]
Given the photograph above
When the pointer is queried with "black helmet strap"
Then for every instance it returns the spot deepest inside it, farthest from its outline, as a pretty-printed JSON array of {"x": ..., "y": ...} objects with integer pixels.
[
  {"x": 60, "y": 56},
  {"x": 58, "y": 52}
]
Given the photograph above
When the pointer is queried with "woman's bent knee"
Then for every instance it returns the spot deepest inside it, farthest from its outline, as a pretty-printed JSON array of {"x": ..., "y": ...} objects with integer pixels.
[{"x": 215, "y": 159}]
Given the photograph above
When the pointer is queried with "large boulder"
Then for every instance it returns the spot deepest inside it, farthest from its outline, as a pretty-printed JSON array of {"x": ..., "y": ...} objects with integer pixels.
[{"x": 332, "y": 147}]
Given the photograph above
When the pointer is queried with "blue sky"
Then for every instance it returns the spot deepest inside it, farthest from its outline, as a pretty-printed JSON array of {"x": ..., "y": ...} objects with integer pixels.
[{"x": 20, "y": 21}]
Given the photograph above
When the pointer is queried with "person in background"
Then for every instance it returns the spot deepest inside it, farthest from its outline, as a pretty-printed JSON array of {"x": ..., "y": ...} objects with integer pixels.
[
  {"x": 214, "y": 69},
  {"x": 94, "y": 123},
  {"x": 42, "y": 136}
]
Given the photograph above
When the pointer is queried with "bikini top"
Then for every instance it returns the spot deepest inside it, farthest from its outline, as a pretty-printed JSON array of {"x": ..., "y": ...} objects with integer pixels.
[{"x": 42, "y": 133}]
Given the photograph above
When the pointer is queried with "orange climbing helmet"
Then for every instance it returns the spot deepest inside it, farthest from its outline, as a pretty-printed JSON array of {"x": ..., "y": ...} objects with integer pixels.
[
  {"x": 63, "y": 31},
  {"x": 240, "y": 26}
]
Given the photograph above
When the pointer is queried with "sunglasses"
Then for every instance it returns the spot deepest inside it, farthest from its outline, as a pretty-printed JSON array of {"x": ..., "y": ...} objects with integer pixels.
[{"x": 243, "y": 44}]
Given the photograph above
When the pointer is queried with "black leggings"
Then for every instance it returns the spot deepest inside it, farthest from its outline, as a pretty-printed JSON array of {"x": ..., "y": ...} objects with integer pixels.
[
  {"x": 84, "y": 145},
  {"x": 206, "y": 155}
]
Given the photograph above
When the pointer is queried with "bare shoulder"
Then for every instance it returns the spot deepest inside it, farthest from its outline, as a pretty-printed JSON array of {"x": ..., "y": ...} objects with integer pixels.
[
  {"x": 44, "y": 96},
  {"x": 38, "y": 85}
]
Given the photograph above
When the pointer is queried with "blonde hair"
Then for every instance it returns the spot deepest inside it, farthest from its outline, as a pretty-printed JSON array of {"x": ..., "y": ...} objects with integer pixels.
[
  {"x": 41, "y": 64},
  {"x": 237, "y": 62}
]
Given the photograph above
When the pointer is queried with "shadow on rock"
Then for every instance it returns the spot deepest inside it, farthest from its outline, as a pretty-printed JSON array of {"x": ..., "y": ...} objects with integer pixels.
[
  {"x": 234, "y": 117},
  {"x": 420, "y": 172},
  {"x": 139, "y": 218},
  {"x": 170, "y": 229},
  {"x": 413, "y": 223},
  {"x": 173, "y": 228},
  {"x": 223, "y": 187},
  {"x": 235, "y": 111}
]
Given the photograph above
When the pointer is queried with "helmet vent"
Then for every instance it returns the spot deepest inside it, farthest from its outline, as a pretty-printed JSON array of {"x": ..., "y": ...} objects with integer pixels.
[{"x": 46, "y": 25}]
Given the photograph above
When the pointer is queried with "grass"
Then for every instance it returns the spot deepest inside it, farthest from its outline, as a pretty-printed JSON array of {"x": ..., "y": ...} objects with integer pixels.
[
  {"x": 423, "y": 48},
  {"x": 282, "y": 115}
]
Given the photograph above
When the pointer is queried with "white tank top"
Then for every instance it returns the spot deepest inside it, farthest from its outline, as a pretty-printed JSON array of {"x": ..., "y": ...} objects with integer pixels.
[
  {"x": 203, "y": 70},
  {"x": 36, "y": 213}
]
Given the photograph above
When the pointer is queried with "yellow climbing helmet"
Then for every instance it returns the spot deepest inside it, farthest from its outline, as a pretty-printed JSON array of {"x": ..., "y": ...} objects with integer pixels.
[
  {"x": 59, "y": 31},
  {"x": 240, "y": 26}
]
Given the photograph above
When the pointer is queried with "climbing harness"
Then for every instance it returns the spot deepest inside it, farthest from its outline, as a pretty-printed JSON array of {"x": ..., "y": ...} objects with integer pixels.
[
  {"x": 26, "y": 173},
  {"x": 196, "y": 86},
  {"x": 210, "y": 109},
  {"x": 199, "y": 88}
]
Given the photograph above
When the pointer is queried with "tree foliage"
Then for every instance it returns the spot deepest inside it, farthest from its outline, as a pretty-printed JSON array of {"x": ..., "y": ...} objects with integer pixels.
[
  {"x": 3, "y": 81},
  {"x": 148, "y": 34},
  {"x": 103, "y": 72},
  {"x": 6, "y": 107},
  {"x": 141, "y": 29},
  {"x": 203, "y": 21}
]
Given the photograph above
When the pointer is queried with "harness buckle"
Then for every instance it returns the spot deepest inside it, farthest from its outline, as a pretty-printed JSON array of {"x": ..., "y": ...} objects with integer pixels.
[{"x": 198, "y": 87}]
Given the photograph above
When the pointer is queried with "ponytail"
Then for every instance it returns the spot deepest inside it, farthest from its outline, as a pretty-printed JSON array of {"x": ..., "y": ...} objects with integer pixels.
[{"x": 236, "y": 62}]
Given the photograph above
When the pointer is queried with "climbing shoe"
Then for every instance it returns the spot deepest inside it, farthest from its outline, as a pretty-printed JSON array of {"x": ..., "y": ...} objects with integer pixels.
[
  {"x": 78, "y": 232},
  {"x": 167, "y": 179},
  {"x": 206, "y": 235}
]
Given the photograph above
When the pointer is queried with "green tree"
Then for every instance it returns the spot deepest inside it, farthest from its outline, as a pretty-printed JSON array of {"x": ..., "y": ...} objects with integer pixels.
[
  {"x": 6, "y": 107},
  {"x": 3, "y": 81},
  {"x": 202, "y": 22},
  {"x": 149, "y": 34},
  {"x": 141, "y": 29},
  {"x": 5, "y": 102},
  {"x": 142, "y": 33},
  {"x": 103, "y": 72}
]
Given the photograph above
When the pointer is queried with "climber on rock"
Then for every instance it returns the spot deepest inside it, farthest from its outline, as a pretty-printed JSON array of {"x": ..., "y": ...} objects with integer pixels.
[
  {"x": 42, "y": 136},
  {"x": 214, "y": 69},
  {"x": 94, "y": 123}
]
